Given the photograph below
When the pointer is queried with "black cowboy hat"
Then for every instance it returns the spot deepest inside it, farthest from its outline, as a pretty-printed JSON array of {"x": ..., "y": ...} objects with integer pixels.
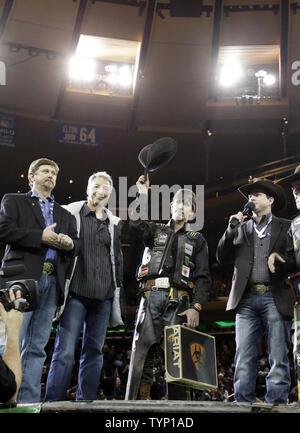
[
  {"x": 158, "y": 153},
  {"x": 268, "y": 187},
  {"x": 288, "y": 180}
]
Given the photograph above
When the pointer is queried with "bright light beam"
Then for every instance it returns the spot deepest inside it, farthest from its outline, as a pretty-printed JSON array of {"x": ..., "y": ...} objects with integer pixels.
[
  {"x": 231, "y": 72},
  {"x": 269, "y": 80},
  {"x": 82, "y": 68}
]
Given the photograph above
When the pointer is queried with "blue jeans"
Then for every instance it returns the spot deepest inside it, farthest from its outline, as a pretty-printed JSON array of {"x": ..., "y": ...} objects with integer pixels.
[
  {"x": 163, "y": 314},
  {"x": 257, "y": 316},
  {"x": 93, "y": 317},
  {"x": 34, "y": 335}
]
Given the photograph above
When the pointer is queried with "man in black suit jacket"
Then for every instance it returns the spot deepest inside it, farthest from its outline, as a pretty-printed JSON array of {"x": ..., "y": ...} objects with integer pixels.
[
  {"x": 42, "y": 236},
  {"x": 263, "y": 303}
]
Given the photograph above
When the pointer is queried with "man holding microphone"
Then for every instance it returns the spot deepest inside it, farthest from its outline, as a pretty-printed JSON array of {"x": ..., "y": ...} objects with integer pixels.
[{"x": 263, "y": 303}]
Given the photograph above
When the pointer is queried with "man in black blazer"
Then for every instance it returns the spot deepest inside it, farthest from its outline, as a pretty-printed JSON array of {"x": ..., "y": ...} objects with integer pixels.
[
  {"x": 263, "y": 302},
  {"x": 42, "y": 236}
]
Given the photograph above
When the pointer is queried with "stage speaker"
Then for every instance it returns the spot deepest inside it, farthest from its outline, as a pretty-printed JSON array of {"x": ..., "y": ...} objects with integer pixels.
[{"x": 185, "y": 8}]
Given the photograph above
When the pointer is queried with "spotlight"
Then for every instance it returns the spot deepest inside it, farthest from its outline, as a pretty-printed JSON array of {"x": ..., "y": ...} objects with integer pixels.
[
  {"x": 125, "y": 73},
  {"x": 82, "y": 68},
  {"x": 125, "y": 70},
  {"x": 261, "y": 73},
  {"x": 269, "y": 80},
  {"x": 231, "y": 72},
  {"x": 112, "y": 79},
  {"x": 121, "y": 76},
  {"x": 111, "y": 68}
]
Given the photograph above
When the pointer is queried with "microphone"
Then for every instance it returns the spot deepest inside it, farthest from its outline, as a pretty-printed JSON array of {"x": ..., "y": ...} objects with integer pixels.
[
  {"x": 248, "y": 209},
  {"x": 9, "y": 271}
]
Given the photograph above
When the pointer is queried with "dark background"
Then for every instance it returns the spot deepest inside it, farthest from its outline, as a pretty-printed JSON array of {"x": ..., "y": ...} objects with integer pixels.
[{"x": 175, "y": 95}]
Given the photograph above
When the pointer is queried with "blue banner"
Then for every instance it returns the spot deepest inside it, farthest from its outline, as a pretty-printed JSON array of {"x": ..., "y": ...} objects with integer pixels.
[
  {"x": 79, "y": 135},
  {"x": 8, "y": 130}
]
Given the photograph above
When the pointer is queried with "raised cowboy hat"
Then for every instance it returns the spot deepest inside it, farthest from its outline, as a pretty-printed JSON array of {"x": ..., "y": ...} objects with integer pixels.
[
  {"x": 288, "y": 180},
  {"x": 158, "y": 153},
  {"x": 268, "y": 187}
]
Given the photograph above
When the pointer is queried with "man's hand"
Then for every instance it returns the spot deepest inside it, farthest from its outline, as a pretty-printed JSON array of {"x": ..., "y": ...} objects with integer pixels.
[
  {"x": 65, "y": 242},
  {"x": 59, "y": 241},
  {"x": 239, "y": 216},
  {"x": 192, "y": 317},
  {"x": 49, "y": 237},
  {"x": 13, "y": 318},
  {"x": 143, "y": 186},
  {"x": 273, "y": 258}
]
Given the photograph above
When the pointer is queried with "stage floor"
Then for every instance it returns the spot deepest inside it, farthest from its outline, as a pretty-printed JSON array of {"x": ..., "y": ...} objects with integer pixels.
[{"x": 158, "y": 407}]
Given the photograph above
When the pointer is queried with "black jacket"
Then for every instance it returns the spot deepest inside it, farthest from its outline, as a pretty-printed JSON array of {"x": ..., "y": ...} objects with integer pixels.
[
  {"x": 198, "y": 274},
  {"x": 21, "y": 228},
  {"x": 237, "y": 248}
]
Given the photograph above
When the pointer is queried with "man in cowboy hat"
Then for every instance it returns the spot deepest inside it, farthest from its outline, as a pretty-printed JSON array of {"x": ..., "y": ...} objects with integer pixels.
[
  {"x": 263, "y": 303},
  {"x": 290, "y": 263},
  {"x": 174, "y": 281}
]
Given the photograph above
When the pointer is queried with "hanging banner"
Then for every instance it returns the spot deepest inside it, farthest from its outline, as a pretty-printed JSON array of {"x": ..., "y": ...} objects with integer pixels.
[
  {"x": 79, "y": 135},
  {"x": 8, "y": 130}
]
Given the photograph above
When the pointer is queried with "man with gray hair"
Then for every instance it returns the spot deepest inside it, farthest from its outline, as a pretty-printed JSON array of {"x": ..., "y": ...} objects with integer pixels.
[{"x": 95, "y": 296}]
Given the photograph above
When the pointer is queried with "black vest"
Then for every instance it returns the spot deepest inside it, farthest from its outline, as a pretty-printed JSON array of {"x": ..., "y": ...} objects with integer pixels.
[{"x": 159, "y": 262}]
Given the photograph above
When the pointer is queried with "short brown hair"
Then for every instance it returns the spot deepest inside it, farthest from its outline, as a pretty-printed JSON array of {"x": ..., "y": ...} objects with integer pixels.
[{"x": 34, "y": 166}]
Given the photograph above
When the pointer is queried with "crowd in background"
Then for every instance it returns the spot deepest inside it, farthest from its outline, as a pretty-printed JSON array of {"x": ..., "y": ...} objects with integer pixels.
[
  {"x": 114, "y": 374},
  {"x": 116, "y": 358}
]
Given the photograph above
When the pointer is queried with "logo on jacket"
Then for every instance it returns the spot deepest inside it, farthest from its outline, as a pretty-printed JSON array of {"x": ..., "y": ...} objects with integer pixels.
[
  {"x": 143, "y": 272},
  {"x": 198, "y": 355}
]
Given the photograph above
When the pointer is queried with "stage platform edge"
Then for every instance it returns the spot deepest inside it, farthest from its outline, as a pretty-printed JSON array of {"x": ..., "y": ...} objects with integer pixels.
[{"x": 150, "y": 407}]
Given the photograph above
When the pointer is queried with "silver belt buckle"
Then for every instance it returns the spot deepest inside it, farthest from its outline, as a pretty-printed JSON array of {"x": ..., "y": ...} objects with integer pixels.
[
  {"x": 162, "y": 283},
  {"x": 259, "y": 289},
  {"x": 48, "y": 268}
]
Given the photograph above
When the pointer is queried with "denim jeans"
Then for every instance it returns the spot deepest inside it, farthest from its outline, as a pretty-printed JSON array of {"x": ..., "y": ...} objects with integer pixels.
[
  {"x": 163, "y": 314},
  {"x": 34, "y": 335},
  {"x": 93, "y": 317},
  {"x": 257, "y": 316}
]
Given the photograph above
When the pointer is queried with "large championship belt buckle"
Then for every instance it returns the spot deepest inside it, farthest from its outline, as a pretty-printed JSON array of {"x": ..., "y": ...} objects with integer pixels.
[
  {"x": 48, "y": 268},
  {"x": 259, "y": 289},
  {"x": 162, "y": 283}
]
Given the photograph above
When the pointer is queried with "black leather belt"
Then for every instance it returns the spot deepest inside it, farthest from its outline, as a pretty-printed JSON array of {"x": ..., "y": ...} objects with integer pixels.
[
  {"x": 48, "y": 268},
  {"x": 258, "y": 289}
]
